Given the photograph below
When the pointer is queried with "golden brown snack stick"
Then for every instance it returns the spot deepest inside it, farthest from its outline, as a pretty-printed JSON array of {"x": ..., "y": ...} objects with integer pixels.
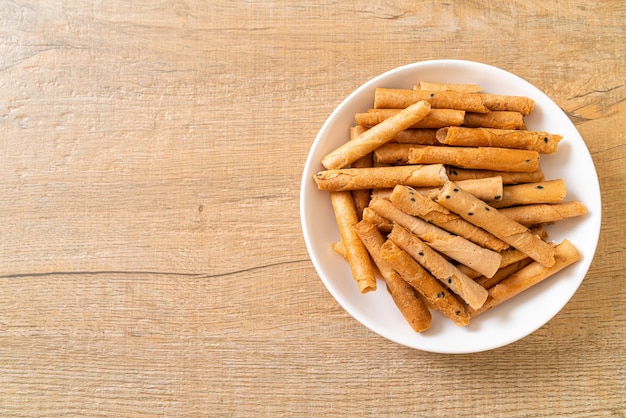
[
  {"x": 484, "y": 216},
  {"x": 436, "y": 118},
  {"x": 380, "y": 177},
  {"x": 416, "y": 204},
  {"x": 458, "y": 248},
  {"x": 549, "y": 191},
  {"x": 393, "y": 153},
  {"x": 503, "y": 273},
  {"x": 467, "y": 289},
  {"x": 487, "y": 188},
  {"x": 508, "y": 177},
  {"x": 565, "y": 254},
  {"x": 494, "y": 119},
  {"x": 528, "y": 215},
  {"x": 459, "y": 88},
  {"x": 381, "y": 223},
  {"x": 483, "y": 158},
  {"x": 356, "y": 253},
  {"x": 411, "y": 305},
  {"x": 424, "y": 283},
  {"x": 499, "y": 102},
  {"x": 375, "y": 136},
  {"x": 417, "y": 136},
  {"x": 385, "y": 98},
  {"x": 542, "y": 142},
  {"x": 362, "y": 196}
]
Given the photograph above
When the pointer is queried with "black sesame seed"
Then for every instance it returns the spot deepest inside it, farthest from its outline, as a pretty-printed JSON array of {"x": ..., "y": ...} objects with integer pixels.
[
  {"x": 497, "y": 197},
  {"x": 540, "y": 187},
  {"x": 470, "y": 213},
  {"x": 527, "y": 161},
  {"x": 448, "y": 196},
  {"x": 412, "y": 199},
  {"x": 421, "y": 253},
  {"x": 449, "y": 280},
  {"x": 458, "y": 312},
  {"x": 432, "y": 94},
  {"x": 486, "y": 208},
  {"x": 454, "y": 173},
  {"x": 456, "y": 190},
  {"x": 545, "y": 139}
]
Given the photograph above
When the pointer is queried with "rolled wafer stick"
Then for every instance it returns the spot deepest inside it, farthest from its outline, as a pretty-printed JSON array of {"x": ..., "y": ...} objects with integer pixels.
[
  {"x": 436, "y": 118},
  {"x": 459, "y": 88},
  {"x": 483, "y": 158},
  {"x": 425, "y": 284},
  {"x": 380, "y": 177},
  {"x": 549, "y": 191},
  {"x": 416, "y": 204},
  {"x": 487, "y": 188},
  {"x": 565, "y": 254},
  {"x": 394, "y": 153},
  {"x": 385, "y": 98},
  {"x": 410, "y": 304},
  {"x": 375, "y": 136},
  {"x": 499, "y": 102},
  {"x": 508, "y": 177},
  {"x": 467, "y": 289},
  {"x": 356, "y": 253},
  {"x": 503, "y": 273},
  {"x": 362, "y": 196},
  {"x": 542, "y": 142},
  {"x": 417, "y": 136},
  {"x": 494, "y": 119},
  {"x": 458, "y": 248},
  {"x": 528, "y": 215},
  {"x": 484, "y": 216}
]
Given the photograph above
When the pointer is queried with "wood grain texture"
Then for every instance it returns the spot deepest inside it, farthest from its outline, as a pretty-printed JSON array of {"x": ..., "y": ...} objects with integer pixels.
[{"x": 152, "y": 261}]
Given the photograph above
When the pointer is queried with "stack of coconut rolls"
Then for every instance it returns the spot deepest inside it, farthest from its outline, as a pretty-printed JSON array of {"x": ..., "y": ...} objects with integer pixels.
[{"x": 440, "y": 193}]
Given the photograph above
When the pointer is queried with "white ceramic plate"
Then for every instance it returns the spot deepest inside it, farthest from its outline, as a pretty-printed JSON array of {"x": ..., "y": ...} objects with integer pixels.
[{"x": 517, "y": 317}]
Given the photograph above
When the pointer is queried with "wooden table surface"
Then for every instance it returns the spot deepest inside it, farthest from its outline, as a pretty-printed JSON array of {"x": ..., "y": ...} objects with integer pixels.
[{"x": 151, "y": 256}]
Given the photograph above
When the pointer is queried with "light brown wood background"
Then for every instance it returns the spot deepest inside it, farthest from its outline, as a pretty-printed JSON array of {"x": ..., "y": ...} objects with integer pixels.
[{"x": 151, "y": 256}]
